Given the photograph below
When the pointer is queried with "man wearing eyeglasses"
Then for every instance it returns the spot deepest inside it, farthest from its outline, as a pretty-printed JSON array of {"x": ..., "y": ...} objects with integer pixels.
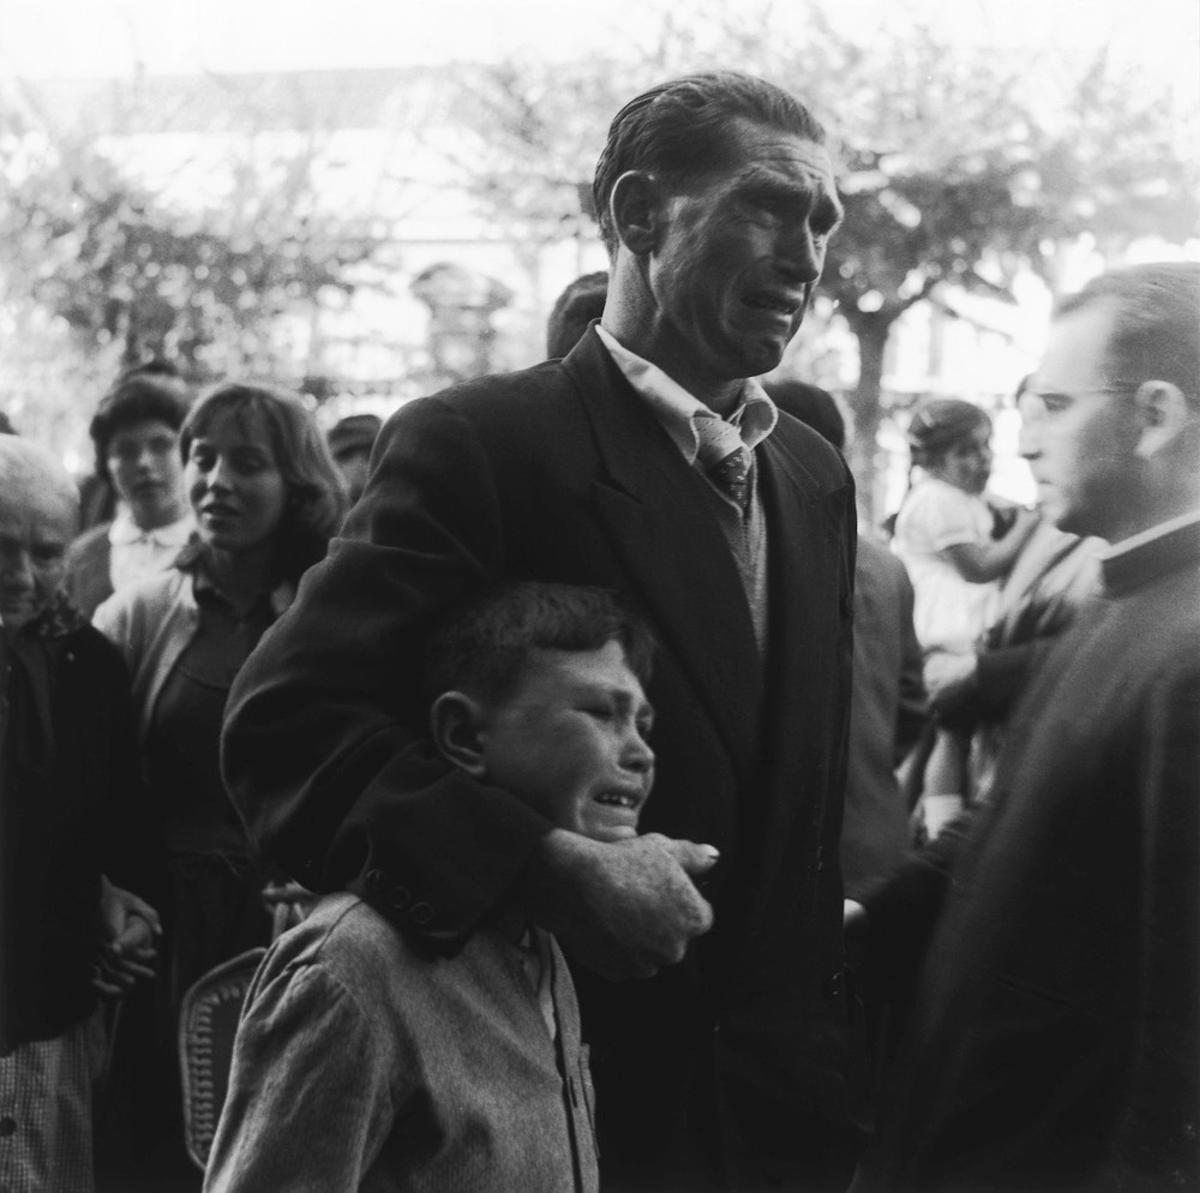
[{"x": 1054, "y": 1041}]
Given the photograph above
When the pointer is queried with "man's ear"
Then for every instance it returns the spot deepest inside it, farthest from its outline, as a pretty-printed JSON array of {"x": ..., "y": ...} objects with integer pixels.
[
  {"x": 635, "y": 206},
  {"x": 1162, "y": 413},
  {"x": 455, "y": 721}
]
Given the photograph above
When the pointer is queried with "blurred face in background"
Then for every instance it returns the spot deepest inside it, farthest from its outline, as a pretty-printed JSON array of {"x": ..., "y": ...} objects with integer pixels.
[
  {"x": 36, "y": 527},
  {"x": 143, "y": 462},
  {"x": 234, "y": 483},
  {"x": 354, "y": 467},
  {"x": 967, "y": 465}
]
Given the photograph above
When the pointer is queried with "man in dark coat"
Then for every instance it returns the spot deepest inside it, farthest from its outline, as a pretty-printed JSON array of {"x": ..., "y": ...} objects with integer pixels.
[
  {"x": 725, "y": 1070},
  {"x": 1054, "y": 1042}
]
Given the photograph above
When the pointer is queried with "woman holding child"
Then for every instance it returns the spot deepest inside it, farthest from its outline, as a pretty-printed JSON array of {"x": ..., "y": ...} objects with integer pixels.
[
  {"x": 947, "y": 536},
  {"x": 266, "y": 497}
]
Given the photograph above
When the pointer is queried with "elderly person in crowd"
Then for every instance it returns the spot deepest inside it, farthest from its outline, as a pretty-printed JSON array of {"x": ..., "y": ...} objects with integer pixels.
[
  {"x": 72, "y": 824},
  {"x": 135, "y": 433},
  {"x": 649, "y": 463}
]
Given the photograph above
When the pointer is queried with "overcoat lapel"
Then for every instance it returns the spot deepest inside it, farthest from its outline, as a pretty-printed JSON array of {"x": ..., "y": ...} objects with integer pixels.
[
  {"x": 807, "y": 558},
  {"x": 655, "y": 511}
]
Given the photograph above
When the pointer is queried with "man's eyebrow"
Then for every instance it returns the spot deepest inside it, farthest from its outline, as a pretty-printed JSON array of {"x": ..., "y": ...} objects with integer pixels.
[
  {"x": 826, "y": 206},
  {"x": 624, "y": 698}
]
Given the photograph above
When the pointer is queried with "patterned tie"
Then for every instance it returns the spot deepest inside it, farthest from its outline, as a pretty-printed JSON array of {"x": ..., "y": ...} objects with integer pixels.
[{"x": 725, "y": 457}]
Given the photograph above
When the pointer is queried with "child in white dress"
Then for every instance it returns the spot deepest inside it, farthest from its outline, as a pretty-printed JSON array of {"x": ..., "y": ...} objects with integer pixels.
[{"x": 944, "y": 535}]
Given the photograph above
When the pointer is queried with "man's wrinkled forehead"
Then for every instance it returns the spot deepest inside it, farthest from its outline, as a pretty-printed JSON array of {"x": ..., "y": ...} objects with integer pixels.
[{"x": 747, "y": 145}]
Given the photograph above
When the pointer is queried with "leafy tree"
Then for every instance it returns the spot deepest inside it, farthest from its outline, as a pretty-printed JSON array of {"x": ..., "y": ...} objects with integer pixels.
[
  {"x": 224, "y": 267},
  {"x": 207, "y": 289}
]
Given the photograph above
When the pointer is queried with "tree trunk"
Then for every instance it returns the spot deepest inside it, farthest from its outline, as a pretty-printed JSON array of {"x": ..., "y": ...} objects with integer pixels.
[{"x": 872, "y": 334}]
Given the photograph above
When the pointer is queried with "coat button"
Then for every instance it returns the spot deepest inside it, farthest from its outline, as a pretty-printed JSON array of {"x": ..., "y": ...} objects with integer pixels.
[
  {"x": 399, "y": 897},
  {"x": 832, "y": 986},
  {"x": 374, "y": 881},
  {"x": 7, "y": 1125},
  {"x": 421, "y": 914}
]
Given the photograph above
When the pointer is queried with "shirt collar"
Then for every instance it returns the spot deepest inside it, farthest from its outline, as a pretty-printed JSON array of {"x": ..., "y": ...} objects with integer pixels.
[
  {"x": 1117, "y": 550},
  {"x": 192, "y": 560},
  {"x": 124, "y": 531},
  {"x": 677, "y": 410}
]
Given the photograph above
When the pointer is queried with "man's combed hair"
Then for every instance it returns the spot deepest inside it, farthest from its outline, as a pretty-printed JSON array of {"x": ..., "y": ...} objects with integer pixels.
[
  {"x": 479, "y": 647},
  {"x": 678, "y": 130},
  {"x": 1156, "y": 336}
]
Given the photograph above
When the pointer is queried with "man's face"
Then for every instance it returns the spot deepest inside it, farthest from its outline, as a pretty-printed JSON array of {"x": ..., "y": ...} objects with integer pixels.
[
  {"x": 570, "y": 740},
  {"x": 1080, "y": 429},
  {"x": 739, "y": 247},
  {"x": 35, "y": 530}
]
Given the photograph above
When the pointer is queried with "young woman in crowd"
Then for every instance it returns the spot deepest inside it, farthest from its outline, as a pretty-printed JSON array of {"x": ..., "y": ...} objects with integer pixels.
[
  {"x": 945, "y": 534},
  {"x": 266, "y": 497}
]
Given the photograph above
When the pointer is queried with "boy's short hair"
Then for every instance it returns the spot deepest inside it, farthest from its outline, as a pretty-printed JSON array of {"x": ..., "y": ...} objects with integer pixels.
[{"x": 480, "y": 646}]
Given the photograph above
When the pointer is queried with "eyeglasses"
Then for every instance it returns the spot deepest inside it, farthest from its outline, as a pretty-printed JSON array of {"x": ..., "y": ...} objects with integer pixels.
[{"x": 1048, "y": 403}]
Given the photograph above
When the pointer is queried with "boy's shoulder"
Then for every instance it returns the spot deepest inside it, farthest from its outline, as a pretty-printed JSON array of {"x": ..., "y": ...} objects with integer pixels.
[
  {"x": 359, "y": 949},
  {"x": 341, "y": 927}
]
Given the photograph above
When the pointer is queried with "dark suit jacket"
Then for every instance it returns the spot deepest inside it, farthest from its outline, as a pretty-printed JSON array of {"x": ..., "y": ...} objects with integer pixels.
[
  {"x": 562, "y": 473},
  {"x": 1055, "y": 1036}
]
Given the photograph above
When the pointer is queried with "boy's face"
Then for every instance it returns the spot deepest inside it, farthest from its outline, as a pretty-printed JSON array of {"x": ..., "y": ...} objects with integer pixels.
[{"x": 570, "y": 740}]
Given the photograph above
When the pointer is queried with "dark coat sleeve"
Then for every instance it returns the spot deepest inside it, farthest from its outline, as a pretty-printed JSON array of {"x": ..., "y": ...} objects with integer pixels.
[
  {"x": 321, "y": 750},
  {"x": 903, "y": 910},
  {"x": 912, "y": 711}
]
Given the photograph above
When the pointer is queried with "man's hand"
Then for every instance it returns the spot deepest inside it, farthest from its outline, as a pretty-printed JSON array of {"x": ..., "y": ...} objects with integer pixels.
[
  {"x": 625, "y": 908},
  {"x": 129, "y": 928}
]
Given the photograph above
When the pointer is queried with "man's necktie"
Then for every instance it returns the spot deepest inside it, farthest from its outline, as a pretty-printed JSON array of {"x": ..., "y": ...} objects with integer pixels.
[{"x": 725, "y": 458}]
